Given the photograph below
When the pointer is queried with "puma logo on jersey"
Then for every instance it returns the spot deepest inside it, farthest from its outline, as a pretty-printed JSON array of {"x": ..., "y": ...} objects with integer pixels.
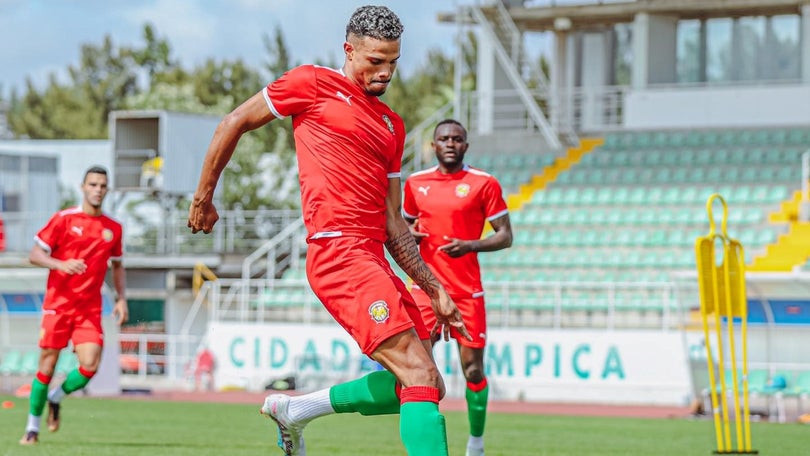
[
  {"x": 347, "y": 99},
  {"x": 423, "y": 190},
  {"x": 77, "y": 229}
]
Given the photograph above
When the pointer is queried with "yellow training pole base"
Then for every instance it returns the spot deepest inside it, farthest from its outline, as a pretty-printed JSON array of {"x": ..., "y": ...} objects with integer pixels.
[{"x": 735, "y": 452}]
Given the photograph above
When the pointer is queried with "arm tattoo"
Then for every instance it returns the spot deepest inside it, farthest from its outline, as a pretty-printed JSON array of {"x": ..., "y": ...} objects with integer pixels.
[{"x": 404, "y": 251}]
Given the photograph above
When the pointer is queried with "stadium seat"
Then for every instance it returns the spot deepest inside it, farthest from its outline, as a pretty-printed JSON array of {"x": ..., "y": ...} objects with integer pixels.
[
  {"x": 67, "y": 362},
  {"x": 29, "y": 363},
  {"x": 10, "y": 362}
]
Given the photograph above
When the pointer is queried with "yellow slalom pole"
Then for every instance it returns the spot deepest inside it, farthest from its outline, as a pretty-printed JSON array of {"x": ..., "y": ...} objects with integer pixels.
[
  {"x": 707, "y": 285},
  {"x": 722, "y": 295}
]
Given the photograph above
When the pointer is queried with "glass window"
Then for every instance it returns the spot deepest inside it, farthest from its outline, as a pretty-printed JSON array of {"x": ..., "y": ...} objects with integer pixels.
[
  {"x": 783, "y": 56},
  {"x": 749, "y": 49},
  {"x": 718, "y": 50},
  {"x": 688, "y": 52}
]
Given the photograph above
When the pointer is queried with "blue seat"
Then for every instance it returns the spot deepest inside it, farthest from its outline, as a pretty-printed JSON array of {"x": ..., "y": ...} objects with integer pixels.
[{"x": 22, "y": 302}]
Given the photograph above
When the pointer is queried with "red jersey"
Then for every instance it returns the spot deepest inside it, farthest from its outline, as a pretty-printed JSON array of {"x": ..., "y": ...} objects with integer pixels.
[
  {"x": 348, "y": 145},
  {"x": 454, "y": 205},
  {"x": 73, "y": 234}
]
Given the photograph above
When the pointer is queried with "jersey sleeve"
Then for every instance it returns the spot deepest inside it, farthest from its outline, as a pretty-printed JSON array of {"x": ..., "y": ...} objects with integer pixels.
[
  {"x": 494, "y": 204},
  {"x": 409, "y": 209},
  {"x": 395, "y": 167},
  {"x": 117, "y": 252},
  {"x": 48, "y": 237},
  {"x": 292, "y": 93}
]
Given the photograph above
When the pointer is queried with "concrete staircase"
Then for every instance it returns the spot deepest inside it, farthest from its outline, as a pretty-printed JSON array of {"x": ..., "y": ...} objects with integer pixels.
[{"x": 790, "y": 249}]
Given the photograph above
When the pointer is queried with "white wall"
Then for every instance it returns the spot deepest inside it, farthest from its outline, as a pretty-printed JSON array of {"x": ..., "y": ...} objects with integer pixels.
[
  {"x": 717, "y": 107},
  {"x": 75, "y": 156},
  {"x": 585, "y": 366}
]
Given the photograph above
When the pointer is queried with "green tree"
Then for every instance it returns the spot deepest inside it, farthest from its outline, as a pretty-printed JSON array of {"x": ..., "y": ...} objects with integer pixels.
[
  {"x": 79, "y": 109},
  {"x": 155, "y": 57}
]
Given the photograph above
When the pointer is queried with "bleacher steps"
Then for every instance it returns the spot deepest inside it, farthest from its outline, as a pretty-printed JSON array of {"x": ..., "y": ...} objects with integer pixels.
[
  {"x": 788, "y": 210},
  {"x": 789, "y": 250},
  {"x": 573, "y": 155}
]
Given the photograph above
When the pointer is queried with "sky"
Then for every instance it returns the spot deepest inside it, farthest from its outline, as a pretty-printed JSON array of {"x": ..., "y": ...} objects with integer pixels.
[{"x": 41, "y": 37}]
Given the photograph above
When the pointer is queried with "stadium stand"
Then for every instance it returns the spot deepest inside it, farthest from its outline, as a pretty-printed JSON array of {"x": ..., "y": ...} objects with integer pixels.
[{"x": 650, "y": 189}]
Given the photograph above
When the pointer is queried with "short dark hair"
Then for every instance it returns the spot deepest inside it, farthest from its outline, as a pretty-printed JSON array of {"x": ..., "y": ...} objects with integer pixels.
[
  {"x": 449, "y": 122},
  {"x": 95, "y": 169},
  {"x": 377, "y": 22}
]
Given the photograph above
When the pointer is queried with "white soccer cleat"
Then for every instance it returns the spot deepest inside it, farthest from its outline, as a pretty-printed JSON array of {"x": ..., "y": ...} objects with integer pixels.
[{"x": 290, "y": 434}]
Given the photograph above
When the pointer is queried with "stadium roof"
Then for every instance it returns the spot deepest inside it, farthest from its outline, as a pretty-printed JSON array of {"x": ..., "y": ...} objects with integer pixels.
[{"x": 596, "y": 14}]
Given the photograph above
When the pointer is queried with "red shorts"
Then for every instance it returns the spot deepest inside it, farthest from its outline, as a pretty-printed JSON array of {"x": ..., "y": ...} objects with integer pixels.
[
  {"x": 59, "y": 328},
  {"x": 472, "y": 313},
  {"x": 355, "y": 283}
]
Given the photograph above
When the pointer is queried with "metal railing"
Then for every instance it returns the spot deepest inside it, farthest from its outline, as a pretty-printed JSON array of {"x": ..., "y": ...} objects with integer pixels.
[
  {"x": 510, "y": 304},
  {"x": 582, "y": 109},
  {"x": 172, "y": 361},
  {"x": 530, "y": 105},
  {"x": 417, "y": 143},
  {"x": 237, "y": 231}
]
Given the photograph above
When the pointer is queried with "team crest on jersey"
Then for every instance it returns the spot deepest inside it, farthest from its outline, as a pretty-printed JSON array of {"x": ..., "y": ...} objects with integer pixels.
[
  {"x": 107, "y": 235},
  {"x": 388, "y": 122},
  {"x": 379, "y": 311},
  {"x": 462, "y": 190}
]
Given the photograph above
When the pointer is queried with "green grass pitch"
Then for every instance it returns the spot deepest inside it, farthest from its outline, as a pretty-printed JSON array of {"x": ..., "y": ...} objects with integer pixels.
[{"x": 128, "y": 427}]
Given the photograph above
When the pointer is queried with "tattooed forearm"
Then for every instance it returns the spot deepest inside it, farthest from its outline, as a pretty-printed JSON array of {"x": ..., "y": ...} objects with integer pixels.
[{"x": 402, "y": 248}]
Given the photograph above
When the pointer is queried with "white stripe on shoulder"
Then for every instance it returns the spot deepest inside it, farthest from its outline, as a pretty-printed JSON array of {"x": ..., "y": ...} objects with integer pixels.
[
  {"x": 426, "y": 171},
  {"x": 70, "y": 210},
  {"x": 336, "y": 70},
  {"x": 42, "y": 244},
  {"x": 270, "y": 104},
  {"x": 498, "y": 215},
  {"x": 394, "y": 175},
  {"x": 478, "y": 172}
]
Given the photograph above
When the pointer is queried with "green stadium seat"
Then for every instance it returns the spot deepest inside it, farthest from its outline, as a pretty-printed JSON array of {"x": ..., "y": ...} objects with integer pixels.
[
  {"x": 680, "y": 175},
  {"x": 484, "y": 161},
  {"x": 773, "y": 156},
  {"x": 67, "y": 362},
  {"x": 612, "y": 141},
  {"x": 688, "y": 157},
  {"x": 652, "y": 158},
  {"x": 676, "y": 139},
  {"x": 539, "y": 238},
  {"x": 798, "y": 137},
  {"x": 662, "y": 176},
  {"x": 778, "y": 137},
  {"x": 515, "y": 161},
  {"x": 10, "y": 362},
  {"x": 29, "y": 363},
  {"x": 637, "y": 195},
  {"x": 565, "y": 178},
  {"x": 554, "y": 196}
]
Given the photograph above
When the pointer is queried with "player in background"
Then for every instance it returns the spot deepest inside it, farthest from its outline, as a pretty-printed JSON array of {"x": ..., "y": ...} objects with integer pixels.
[
  {"x": 447, "y": 206},
  {"x": 349, "y": 146},
  {"x": 76, "y": 245}
]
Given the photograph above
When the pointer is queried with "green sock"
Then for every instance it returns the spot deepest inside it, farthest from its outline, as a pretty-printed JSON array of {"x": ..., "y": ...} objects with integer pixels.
[
  {"x": 477, "y": 410},
  {"x": 374, "y": 394},
  {"x": 422, "y": 429},
  {"x": 74, "y": 381},
  {"x": 38, "y": 397}
]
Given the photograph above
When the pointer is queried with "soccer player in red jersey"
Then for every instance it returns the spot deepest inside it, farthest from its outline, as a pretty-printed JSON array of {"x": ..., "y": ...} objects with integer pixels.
[
  {"x": 76, "y": 245},
  {"x": 447, "y": 206},
  {"x": 349, "y": 146}
]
